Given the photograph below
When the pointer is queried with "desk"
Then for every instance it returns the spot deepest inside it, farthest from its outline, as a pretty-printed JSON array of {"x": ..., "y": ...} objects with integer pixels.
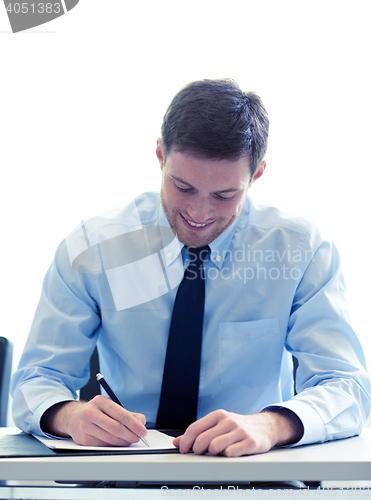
[{"x": 348, "y": 459}]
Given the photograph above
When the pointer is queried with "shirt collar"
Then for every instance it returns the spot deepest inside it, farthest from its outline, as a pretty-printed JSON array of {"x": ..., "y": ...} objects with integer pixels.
[
  {"x": 220, "y": 245},
  {"x": 173, "y": 249}
]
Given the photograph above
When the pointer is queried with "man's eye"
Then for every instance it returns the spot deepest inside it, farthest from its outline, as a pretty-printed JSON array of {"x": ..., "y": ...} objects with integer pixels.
[
  {"x": 225, "y": 198},
  {"x": 182, "y": 190}
]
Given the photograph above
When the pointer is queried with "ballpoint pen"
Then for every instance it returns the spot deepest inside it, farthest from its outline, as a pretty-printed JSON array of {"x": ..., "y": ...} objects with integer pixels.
[{"x": 114, "y": 398}]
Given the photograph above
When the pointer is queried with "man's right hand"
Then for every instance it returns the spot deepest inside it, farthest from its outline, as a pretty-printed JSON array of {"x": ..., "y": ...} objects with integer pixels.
[{"x": 99, "y": 422}]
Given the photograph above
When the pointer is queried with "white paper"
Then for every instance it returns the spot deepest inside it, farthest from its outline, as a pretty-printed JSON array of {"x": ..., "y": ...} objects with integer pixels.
[{"x": 157, "y": 441}]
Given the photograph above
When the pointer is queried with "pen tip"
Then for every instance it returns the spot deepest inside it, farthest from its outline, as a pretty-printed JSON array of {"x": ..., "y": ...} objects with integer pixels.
[
  {"x": 99, "y": 376},
  {"x": 145, "y": 441}
]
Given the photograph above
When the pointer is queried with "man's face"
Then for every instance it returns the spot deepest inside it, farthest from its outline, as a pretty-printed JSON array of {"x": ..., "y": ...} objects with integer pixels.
[{"x": 202, "y": 197}]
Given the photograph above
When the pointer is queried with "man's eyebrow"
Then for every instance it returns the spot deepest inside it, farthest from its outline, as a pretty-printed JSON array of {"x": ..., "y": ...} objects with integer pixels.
[
  {"x": 180, "y": 180},
  {"x": 230, "y": 190}
]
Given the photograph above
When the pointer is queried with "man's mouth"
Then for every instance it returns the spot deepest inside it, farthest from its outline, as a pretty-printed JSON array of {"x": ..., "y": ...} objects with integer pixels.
[{"x": 195, "y": 224}]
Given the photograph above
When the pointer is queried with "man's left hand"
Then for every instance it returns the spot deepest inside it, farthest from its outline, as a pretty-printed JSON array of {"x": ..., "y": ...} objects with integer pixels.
[{"x": 234, "y": 435}]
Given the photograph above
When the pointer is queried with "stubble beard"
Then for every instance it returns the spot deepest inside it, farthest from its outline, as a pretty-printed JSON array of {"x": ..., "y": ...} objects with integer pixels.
[{"x": 198, "y": 239}]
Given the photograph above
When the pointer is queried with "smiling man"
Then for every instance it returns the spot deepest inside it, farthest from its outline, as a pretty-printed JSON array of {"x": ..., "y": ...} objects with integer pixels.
[
  {"x": 250, "y": 286},
  {"x": 202, "y": 198}
]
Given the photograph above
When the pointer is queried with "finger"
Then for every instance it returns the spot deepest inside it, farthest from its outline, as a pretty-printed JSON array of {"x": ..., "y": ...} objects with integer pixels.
[
  {"x": 224, "y": 441},
  {"x": 242, "y": 448},
  {"x": 96, "y": 436},
  {"x": 95, "y": 424},
  {"x": 187, "y": 441},
  {"x": 176, "y": 441},
  {"x": 112, "y": 419},
  {"x": 215, "y": 439},
  {"x": 240, "y": 442},
  {"x": 133, "y": 422},
  {"x": 140, "y": 417}
]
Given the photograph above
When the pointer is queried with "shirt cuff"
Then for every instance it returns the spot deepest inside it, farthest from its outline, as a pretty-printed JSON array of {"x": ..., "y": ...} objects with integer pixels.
[{"x": 314, "y": 428}]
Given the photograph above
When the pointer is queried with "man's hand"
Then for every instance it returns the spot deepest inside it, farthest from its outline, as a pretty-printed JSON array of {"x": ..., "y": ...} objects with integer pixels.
[
  {"x": 233, "y": 435},
  {"x": 100, "y": 422}
]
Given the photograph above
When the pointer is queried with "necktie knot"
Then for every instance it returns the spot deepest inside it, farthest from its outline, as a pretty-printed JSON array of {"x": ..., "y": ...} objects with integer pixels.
[{"x": 198, "y": 255}]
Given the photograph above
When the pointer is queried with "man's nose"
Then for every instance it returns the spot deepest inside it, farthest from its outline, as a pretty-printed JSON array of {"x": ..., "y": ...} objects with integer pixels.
[{"x": 200, "y": 211}]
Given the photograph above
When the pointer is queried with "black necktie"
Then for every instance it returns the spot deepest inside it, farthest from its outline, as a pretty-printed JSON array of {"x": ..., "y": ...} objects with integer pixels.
[{"x": 179, "y": 393}]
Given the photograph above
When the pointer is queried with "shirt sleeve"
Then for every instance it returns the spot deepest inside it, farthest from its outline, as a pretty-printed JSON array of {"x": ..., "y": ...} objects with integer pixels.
[
  {"x": 333, "y": 387},
  {"x": 55, "y": 361}
]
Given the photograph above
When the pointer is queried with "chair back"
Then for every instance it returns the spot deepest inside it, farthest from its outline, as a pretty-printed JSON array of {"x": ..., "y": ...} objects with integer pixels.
[
  {"x": 92, "y": 388},
  {"x": 6, "y": 357}
]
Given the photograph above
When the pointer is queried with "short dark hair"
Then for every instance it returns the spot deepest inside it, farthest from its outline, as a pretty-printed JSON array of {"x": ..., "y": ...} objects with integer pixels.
[{"x": 214, "y": 119}]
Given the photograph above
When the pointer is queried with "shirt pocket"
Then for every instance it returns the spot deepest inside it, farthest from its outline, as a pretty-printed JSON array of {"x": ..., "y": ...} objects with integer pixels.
[{"x": 250, "y": 352}]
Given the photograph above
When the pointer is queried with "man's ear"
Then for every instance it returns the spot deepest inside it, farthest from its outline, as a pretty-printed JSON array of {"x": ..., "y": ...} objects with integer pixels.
[
  {"x": 258, "y": 173},
  {"x": 160, "y": 153}
]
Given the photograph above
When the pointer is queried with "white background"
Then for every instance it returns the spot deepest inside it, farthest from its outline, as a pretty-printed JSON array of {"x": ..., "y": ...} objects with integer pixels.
[{"x": 82, "y": 100}]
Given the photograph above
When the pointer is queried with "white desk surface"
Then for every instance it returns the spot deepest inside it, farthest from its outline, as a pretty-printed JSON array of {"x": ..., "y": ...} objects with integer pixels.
[{"x": 347, "y": 459}]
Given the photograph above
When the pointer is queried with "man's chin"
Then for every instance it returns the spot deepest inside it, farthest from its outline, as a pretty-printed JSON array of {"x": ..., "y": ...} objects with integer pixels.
[
  {"x": 191, "y": 238},
  {"x": 196, "y": 240},
  {"x": 195, "y": 243}
]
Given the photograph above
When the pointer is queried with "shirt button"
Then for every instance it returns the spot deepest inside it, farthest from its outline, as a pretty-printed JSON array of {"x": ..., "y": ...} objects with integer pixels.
[
  {"x": 218, "y": 258},
  {"x": 169, "y": 255}
]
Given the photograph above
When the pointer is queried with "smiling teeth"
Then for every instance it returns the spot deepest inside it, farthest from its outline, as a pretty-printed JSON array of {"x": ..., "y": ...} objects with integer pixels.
[{"x": 195, "y": 225}]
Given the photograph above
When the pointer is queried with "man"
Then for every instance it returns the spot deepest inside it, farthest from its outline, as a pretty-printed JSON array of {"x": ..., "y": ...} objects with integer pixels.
[{"x": 272, "y": 289}]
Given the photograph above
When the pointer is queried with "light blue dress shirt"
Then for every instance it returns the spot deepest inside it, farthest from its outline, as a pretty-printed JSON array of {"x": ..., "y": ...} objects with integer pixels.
[{"x": 274, "y": 289}]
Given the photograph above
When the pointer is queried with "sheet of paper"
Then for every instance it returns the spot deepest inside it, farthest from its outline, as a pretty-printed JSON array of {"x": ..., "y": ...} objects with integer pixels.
[{"x": 158, "y": 441}]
